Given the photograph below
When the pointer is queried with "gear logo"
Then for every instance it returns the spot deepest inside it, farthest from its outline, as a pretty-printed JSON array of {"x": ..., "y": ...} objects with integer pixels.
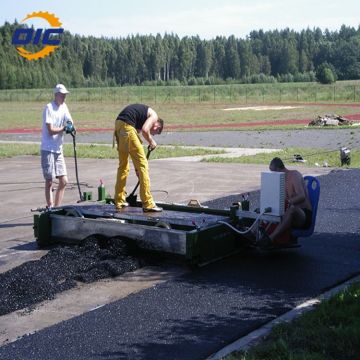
[{"x": 26, "y": 36}]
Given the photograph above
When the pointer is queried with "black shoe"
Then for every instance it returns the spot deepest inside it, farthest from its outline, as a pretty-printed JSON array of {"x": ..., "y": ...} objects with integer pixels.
[{"x": 153, "y": 209}]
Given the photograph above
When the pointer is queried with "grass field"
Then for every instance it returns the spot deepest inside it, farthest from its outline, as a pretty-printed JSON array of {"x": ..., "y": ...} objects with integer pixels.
[
  {"x": 191, "y": 105},
  {"x": 98, "y": 108},
  {"x": 342, "y": 91},
  {"x": 103, "y": 115},
  {"x": 101, "y": 151},
  {"x": 313, "y": 157}
]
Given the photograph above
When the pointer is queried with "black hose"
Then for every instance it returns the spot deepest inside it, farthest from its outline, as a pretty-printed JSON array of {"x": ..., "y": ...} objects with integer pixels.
[{"x": 73, "y": 134}]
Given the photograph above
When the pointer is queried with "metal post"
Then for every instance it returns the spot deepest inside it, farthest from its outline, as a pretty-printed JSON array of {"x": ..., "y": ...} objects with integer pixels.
[{"x": 354, "y": 94}]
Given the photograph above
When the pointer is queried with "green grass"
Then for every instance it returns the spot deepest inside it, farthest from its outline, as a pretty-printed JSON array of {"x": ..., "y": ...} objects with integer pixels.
[
  {"x": 330, "y": 332},
  {"x": 191, "y": 105},
  {"x": 101, "y": 151},
  {"x": 313, "y": 156},
  {"x": 107, "y": 152},
  {"x": 102, "y": 115},
  {"x": 341, "y": 91}
]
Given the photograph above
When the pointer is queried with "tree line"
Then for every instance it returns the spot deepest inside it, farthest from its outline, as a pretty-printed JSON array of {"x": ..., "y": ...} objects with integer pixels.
[{"x": 263, "y": 56}]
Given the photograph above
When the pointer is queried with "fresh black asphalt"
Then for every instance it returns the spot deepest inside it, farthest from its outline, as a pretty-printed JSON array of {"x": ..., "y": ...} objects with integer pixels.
[{"x": 198, "y": 313}]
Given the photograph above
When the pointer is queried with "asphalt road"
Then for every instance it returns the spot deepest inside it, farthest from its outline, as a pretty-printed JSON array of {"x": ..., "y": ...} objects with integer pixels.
[
  {"x": 198, "y": 313},
  {"x": 315, "y": 138}
]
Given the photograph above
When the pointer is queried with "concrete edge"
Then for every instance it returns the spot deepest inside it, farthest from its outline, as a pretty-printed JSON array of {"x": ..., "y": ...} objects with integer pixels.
[{"x": 257, "y": 335}]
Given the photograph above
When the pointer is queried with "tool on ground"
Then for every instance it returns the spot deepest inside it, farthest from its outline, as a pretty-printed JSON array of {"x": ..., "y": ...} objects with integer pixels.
[
  {"x": 132, "y": 198},
  {"x": 70, "y": 129}
]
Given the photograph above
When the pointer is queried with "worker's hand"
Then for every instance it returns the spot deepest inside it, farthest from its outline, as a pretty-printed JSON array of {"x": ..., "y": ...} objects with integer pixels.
[
  {"x": 137, "y": 172},
  {"x": 152, "y": 144},
  {"x": 69, "y": 127}
]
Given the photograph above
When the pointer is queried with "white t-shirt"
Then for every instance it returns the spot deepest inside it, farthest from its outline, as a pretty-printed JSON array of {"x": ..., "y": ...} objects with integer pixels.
[{"x": 57, "y": 116}]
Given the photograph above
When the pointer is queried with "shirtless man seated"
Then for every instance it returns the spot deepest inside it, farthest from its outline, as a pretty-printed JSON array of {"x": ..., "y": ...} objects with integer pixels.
[{"x": 298, "y": 210}]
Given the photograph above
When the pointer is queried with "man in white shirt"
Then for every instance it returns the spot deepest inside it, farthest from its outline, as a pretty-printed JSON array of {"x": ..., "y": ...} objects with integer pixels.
[{"x": 55, "y": 117}]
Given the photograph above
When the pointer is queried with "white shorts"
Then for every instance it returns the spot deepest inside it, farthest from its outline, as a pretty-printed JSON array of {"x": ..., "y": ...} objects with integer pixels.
[{"x": 52, "y": 164}]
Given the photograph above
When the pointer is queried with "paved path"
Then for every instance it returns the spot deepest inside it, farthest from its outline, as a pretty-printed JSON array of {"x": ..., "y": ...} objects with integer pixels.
[{"x": 328, "y": 139}]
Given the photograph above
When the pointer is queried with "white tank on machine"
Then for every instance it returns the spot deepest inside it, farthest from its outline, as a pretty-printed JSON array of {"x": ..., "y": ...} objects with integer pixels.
[{"x": 272, "y": 194}]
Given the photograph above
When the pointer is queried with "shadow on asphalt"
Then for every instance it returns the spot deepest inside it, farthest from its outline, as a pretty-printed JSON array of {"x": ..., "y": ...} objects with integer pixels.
[{"x": 29, "y": 246}]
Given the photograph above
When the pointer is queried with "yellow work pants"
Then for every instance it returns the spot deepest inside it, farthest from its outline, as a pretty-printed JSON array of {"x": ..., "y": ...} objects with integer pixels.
[{"x": 129, "y": 143}]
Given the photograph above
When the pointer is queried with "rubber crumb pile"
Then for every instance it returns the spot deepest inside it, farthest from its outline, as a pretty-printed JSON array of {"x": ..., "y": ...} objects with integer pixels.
[{"x": 62, "y": 267}]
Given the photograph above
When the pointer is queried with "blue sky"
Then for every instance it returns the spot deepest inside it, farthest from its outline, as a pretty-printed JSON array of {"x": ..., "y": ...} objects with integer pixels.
[{"x": 206, "y": 18}]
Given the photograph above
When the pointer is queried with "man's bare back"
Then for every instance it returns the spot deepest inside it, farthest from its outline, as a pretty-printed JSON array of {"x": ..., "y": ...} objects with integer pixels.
[{"x": 296, "y": 191}]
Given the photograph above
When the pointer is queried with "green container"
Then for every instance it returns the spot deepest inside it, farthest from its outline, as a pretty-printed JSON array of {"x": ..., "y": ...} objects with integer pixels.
[
  {"x": 101, "y": 192},
  {"x": 87, "y": 195},
  {"x": 245, "y": 205}
]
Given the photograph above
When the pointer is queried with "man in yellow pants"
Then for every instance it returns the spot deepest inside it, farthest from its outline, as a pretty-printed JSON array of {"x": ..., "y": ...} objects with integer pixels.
[{"x": 133, "y": 120}]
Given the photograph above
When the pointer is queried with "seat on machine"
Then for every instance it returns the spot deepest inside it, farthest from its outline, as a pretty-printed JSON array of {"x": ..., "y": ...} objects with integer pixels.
[{"x": 313, "y": 187}]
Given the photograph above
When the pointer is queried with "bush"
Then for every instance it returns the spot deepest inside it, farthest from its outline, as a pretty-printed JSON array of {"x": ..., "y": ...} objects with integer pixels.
[
  {"x": 325, "y": 73},
  {"x": 192, "y": 81},
  {"x": 305, "y": 77},
  {"x": 285, "y": 78},
  {"x": 173, "y": 83}
]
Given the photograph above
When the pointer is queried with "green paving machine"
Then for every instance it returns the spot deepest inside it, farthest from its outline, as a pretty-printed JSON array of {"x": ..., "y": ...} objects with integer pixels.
[{"x": 198, "y": 234}]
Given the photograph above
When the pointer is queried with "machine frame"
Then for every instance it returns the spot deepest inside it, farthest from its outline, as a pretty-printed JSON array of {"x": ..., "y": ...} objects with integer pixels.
[{"x": 198, "y": 234}]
